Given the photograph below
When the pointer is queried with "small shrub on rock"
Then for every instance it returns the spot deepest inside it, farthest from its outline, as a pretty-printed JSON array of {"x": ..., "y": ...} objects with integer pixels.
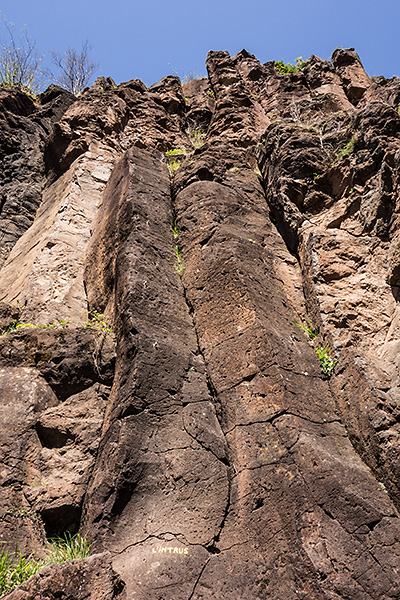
[
  {"x": 98, "y": 322},
  {"x": 282, "y": 67}
]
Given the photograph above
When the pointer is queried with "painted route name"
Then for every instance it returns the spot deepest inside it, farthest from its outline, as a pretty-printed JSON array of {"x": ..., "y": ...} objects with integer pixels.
[{"x": 170, "y": 550}]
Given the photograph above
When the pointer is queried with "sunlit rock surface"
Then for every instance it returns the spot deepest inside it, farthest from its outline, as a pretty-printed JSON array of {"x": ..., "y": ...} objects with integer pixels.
[{"x": 160, "y": 248}]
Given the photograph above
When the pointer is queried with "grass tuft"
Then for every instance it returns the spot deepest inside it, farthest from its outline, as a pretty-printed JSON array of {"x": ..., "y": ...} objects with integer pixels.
[
  {"x": 68, "y": 548},
  {"x": 175, "y": 230},
  {"x": 173, "y": 166},
  {"x": 15, "y": 568},
  {"x": 308, "y": 329},
  {"x": 327, "y": 363},
  {"x": 179, "y": 266},
  {"x": 197, "y": 136}
]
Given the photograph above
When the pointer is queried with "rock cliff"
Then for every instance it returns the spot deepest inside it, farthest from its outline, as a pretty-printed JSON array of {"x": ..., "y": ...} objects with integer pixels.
[{"x": 160, "y": 249}]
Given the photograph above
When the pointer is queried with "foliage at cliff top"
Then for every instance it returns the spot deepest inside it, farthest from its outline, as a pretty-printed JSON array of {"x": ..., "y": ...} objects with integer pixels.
[{"x": 282, "y": 67}]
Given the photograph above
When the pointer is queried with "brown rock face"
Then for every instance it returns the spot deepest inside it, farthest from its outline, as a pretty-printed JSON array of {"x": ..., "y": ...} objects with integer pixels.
[
  {"x": 349, "y": 68},
  {"x": 24, "y": 128},
  {"x": 157, "y": 392}
]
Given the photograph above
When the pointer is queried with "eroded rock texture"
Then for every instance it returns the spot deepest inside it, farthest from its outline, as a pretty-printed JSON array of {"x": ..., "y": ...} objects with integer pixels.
[{"x": 167, "y": 405}]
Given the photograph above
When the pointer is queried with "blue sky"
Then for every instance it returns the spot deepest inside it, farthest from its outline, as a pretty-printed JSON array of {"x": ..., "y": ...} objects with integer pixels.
[{"x": 149, "y": 39}]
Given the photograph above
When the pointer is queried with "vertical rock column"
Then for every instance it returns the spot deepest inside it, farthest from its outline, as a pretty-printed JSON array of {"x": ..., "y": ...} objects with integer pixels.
[
  {"x": 306, "y": 518},
  {"x": 159, "y": 491},
  {"x": 333, "y": 195},
  {"x": 44, "y": 272},
  {"x": 299, "y": 492},
  {"x": 52, "y": 370}
]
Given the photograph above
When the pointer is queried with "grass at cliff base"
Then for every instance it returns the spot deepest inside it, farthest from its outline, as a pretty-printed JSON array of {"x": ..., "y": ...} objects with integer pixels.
[{"x": 15, "y": 568}]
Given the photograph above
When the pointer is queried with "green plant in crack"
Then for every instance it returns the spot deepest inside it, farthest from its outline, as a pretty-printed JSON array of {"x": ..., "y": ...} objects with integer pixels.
[
  {"x": 179, "y": 266},
  {"x": 175, "y": 230},
  {"x": 257, "y": 171},
  {"x": 178, "y": 253},
  {"x": 174, "y": 157},
  {"x": 176, "y": 152},
  {"x": 23, "y": 513},
  {"x": 273, "y": 219},
  {"x": 309, "y": 330},
  {"x": 173, "y": 166},
  {"x": 327, "y": 362},
  {"x": 348, "y": 148},
  {"x": 98, "y": 322},
  {"x": 197, "y": 136}
]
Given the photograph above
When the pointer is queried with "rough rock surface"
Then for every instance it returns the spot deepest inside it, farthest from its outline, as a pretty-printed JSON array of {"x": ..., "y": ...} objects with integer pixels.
[
  {"x": 24, "y": 129},
  {"x": 157, "y": 392}
]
